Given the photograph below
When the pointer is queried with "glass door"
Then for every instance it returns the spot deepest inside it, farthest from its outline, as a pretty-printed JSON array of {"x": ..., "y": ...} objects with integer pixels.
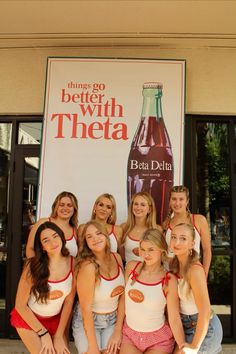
[
  {"x": 213, "y": 191},
  {"x": 25, "y": 187}
]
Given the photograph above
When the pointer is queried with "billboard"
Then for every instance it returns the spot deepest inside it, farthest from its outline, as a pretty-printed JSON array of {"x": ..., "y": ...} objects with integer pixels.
[{"x": 92, "y": 118}]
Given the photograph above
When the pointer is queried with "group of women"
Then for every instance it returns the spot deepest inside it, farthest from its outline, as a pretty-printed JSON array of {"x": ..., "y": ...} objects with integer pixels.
[{"x": 159, "y": 304}]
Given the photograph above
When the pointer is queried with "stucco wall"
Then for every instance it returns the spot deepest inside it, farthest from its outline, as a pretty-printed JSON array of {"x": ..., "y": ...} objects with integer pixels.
[{"x": 210, "y": 75}]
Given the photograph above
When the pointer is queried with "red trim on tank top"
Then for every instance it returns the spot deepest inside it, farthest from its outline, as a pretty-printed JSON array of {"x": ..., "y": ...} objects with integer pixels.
[
  {"x": 141, "y": 282},
  {"x": 193, "y": 221},
  {"x": 113, "y": 232},
  {"x": 116, "y": 276},
  {"x": 132, "y": 238},
  {"x": 67, "y": 276}
]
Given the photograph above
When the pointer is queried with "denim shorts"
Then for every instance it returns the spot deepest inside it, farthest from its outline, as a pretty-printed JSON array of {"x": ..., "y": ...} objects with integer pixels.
[
  {"x": 104, "y": 327},
  {"x": 212, "y": 341}
]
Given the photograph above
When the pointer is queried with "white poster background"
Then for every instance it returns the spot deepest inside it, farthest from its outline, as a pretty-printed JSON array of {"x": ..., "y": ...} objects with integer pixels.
[{"x": 89, "y": 167}]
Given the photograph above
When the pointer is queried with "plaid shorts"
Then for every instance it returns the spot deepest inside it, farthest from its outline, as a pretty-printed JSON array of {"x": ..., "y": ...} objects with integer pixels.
[{"x": 160, "y": 339}]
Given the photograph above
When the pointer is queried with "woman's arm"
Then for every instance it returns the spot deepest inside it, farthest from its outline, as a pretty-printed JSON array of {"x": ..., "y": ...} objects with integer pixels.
[
  {"x": 175, "y": 322},
  {"x": 30, "y": 243},
  {"x": 114, "y": 342},
  {"x": 59, "y": 337},
  {"x": 21, "y": 305},
  {"x": 198, "y": 285},
  {"x": 202, "y": 225},
  {"x": 85, "y": 287}
]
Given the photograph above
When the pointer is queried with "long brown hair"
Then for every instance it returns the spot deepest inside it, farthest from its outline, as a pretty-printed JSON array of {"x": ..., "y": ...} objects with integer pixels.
[
  {"x": 39, "y": 264},
  {"x": 85, "y": 253},
  {"x": 151, "y": 217},
  {"x": 74, "y": 218}
]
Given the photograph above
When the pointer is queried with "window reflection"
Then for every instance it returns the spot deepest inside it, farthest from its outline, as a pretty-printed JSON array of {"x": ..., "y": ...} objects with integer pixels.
[
  {"x": 29, "y": 133},
  {"x": 5, "y": 147}
]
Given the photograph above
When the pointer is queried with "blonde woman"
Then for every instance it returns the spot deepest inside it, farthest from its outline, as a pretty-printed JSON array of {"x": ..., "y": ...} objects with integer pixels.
[
  {"x": 98, "y": 318},
  {"x": 104, "y": 212},
  {"x": 180, "y": 213},
  {"x": 65, "y": 215},
  {"x": 149, "y": 289},
  {"x": 203, "y": 330},
  {"x": 141, "y": 216}
]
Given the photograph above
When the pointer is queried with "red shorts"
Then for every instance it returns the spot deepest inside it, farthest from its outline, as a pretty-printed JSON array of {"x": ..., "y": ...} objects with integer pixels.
[
  {"x": 50, "y": 323},
  {"x": 161, "y": 339}
]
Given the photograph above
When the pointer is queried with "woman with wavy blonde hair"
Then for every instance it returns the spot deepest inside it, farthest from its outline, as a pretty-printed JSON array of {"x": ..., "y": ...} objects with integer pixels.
[
  {"x": 149, "y": 290},
  {"x": 98, "y": 317},
  {"x": 180, "y": 213},
  {"x": 141, "y": 216},
  {"x": 104, "y": 212}
]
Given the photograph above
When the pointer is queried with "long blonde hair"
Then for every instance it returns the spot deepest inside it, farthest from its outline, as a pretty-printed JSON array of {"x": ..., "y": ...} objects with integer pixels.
[
  {"x": 193, "y": 256},
  {"x": 112, "y": 218},
  {"x": 151, "y": 217},
  {"x": 85, "y": 253},
  {"x": 156, "y": 237}
]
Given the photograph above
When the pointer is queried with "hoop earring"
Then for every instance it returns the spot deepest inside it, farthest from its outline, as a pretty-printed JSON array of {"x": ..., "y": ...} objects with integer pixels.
[{"x": 190, "y": 252}]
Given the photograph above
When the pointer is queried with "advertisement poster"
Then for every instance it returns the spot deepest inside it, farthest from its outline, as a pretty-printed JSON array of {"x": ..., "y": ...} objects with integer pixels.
[{"x": 96, "y": 139}]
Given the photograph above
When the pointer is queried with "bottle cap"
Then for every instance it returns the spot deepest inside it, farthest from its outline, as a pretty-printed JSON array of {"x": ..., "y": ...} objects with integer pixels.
[{"x": 152, "y": 85}]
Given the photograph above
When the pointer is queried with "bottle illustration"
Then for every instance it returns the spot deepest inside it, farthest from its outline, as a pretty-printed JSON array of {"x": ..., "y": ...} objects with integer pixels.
[{"x": 150, "y": 163}]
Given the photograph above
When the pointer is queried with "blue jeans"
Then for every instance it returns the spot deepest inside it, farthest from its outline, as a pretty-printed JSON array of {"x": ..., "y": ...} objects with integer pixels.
[
  {"x": 104, "y": 327},
  {"x": 212, "y": 341}
]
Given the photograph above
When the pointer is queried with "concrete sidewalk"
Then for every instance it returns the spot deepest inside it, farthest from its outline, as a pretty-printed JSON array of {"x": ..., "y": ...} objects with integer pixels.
[{"x": 12, "y": 346}]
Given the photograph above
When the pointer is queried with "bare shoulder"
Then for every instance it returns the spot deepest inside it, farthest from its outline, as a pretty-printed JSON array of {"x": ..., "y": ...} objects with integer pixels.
[
  {"x": 122, "y": 226},
  {"x": 87, "y": 268},
  {"x": 196, "y": 271},
  {"x": 130, "y": 265},
  {"x": 200, "y": 219},
  {"x": 118, "y": 231}
]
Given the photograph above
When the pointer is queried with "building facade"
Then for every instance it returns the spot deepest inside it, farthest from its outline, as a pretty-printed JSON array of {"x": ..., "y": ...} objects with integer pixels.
[{"x": 201, "y": 32}]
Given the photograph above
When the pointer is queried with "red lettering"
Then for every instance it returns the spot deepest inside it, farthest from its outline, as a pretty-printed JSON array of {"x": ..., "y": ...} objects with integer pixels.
[{"x": 60, "y": 117}]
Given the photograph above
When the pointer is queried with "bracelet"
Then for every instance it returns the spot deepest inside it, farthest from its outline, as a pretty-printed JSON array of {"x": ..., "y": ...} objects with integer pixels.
[
  {"x": 43, "y": 334},
  {"x": 39, "y": 330}
]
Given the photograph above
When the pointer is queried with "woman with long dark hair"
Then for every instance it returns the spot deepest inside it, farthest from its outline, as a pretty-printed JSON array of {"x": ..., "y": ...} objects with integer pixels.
[
  {"x": 65, "y": 215},
  {"x": 45, "y": 293}
]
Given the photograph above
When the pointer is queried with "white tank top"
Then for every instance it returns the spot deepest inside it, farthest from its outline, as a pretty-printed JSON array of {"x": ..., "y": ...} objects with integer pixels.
[
  {"x": 71, "y": 245},
  {"x": 131, "y": 249},
  {"x": 113, "y": 240},
  {"x": 145, "y": 304},
  {"x": 197, "y": 240},
  {"x": 107, "y": 292},
  {"x": 58, "y": 290},
  {"x": 187, "y": 302}
]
